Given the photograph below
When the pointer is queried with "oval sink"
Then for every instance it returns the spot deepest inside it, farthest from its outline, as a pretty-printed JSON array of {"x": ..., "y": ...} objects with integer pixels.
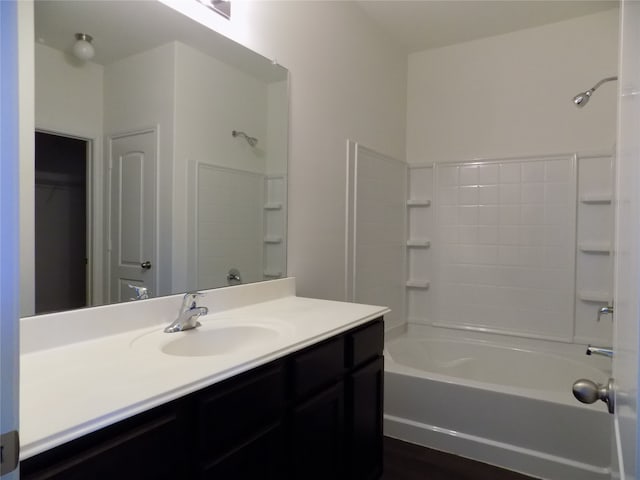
[{"x": 219, "y": 341}]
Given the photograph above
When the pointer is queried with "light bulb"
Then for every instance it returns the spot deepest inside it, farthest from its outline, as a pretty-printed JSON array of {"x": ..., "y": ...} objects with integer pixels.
[{"x": 83, "y": 48}]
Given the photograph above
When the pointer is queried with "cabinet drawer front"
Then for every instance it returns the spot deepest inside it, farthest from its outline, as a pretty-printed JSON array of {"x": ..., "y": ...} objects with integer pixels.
[
  {"x": 366, "y": 343},
  {"x": 236, "y": 411},
  {"x": 317, "y": 367}
]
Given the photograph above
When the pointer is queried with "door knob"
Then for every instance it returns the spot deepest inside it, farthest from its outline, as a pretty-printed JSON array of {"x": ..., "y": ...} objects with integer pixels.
[
  {"x": 146, "y": 265},
  {"x": 587, "y": 391}
]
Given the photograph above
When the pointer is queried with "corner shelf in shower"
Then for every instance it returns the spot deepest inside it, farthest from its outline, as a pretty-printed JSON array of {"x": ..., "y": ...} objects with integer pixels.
[
  {"x": 272, "y": 239},
  {"x": 596, "y": 198},
  {"x": 594, "y": 296},
  {"x": 420, "y": 284},
  {"x": 271, "y": 274},
  {"x": 418, "y": 243},
  {"x": 595, "y": 247},
  {"x": 419, "y": 202},
  {"x": 273, "y": 206}
]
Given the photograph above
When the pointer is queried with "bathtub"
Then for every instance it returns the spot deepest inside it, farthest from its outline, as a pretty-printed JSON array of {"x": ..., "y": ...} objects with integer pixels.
[{"x": 505, "y": 402}]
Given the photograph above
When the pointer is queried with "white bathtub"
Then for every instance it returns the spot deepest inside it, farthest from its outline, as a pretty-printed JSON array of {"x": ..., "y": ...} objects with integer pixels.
[{"x": 509, "y": 406}]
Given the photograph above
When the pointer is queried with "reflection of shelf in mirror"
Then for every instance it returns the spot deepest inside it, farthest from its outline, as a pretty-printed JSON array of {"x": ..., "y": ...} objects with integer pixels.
[
  {"x": 271, "y": 274},
  {"x": 418, "y": 243},
  {"x": 595, "y": 198},
  {"x": 272, "y": 239},
  {"x": 418, "y": 203},
  {"x": 421, "y": 284},
  {"x": 594, "y": 296},
  {"x": 273, "y": 206},
  {"x": 595, "y": 247}
]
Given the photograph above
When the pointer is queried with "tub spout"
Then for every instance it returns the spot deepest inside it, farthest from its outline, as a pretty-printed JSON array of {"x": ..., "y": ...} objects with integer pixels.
[{"x": 607, "y": 352}]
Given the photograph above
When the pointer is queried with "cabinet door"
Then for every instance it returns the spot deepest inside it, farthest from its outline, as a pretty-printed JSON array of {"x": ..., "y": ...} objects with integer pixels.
[
  {"x": 365, "y": 410},
  {"x": 149, "y": 451},
  {"x": 231, "y": 414},
  {"x": 261, "y": 458},
  {"x": 317, "y": 441}
]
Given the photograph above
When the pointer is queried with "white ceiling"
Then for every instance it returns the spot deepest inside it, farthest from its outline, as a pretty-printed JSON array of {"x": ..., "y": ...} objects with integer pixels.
[
  {"x": 421, "y": 24},
  {"x": 121, "y": 29}
]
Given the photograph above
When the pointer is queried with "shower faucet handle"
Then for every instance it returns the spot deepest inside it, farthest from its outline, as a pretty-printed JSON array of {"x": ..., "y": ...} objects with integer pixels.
[{"x": 604, "y": 311}]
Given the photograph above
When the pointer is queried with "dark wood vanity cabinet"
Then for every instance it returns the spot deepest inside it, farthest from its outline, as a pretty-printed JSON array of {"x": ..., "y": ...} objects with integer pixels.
[{"x": 316, "y": 413}]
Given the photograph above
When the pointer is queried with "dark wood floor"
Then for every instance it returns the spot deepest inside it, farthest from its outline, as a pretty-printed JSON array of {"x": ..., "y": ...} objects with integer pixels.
[{"x": 405, "y": 461}]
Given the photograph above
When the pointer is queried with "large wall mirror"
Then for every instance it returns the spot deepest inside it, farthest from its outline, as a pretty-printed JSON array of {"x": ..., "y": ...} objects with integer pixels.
[{"x": 161, "y": 161}]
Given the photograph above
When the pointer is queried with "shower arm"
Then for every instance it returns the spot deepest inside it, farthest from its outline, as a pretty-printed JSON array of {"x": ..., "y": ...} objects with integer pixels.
[{"x": 604, "y": 80}]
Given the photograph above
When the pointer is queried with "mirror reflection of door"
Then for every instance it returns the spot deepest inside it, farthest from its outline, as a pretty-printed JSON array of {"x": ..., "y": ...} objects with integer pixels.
[
  {"x": 133, "y": 214},
  {"x": 61, "y": 233}
]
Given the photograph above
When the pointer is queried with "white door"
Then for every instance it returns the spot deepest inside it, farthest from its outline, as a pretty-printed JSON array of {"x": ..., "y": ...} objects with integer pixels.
[
  {"x": 9, "y": 241},
  {"x": 133, "y": 159},
  {"x": 627, "y": 267}
]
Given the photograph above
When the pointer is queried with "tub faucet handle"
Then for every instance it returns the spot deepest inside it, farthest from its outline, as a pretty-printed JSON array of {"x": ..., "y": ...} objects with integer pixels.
[{"x": 604, "y": 311}]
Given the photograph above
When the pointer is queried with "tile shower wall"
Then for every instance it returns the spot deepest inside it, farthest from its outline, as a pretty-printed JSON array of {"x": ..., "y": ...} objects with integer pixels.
[
  {"x": 229, "y": 206},
  {"x": 519, "y": 246},
  {"x": 505, "y": 244}
]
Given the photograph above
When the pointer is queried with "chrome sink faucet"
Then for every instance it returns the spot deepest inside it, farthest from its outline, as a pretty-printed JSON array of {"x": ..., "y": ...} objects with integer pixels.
[{"x": 189, "y": 313}]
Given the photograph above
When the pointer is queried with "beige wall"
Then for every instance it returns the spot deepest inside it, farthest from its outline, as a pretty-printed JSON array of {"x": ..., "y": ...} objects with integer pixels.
[
  {"x": 511, "y": 94},
  {"x": 347, "y": 81}
]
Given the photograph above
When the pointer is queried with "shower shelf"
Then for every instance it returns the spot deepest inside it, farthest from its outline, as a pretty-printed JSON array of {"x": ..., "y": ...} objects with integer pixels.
[
  {"x": 594, "y": 296},
  {"x": 418, "y": 243},
  {"x": 595, "y": 247},
  {"x": 271, "y": 274},
  {"x": 422, "y": 284},
  {"x": 418, "y": 203},
  {"x": 272, "y": 239},
  {"x": 596, "y": 198},
  {"x": 273, "y": 206}
]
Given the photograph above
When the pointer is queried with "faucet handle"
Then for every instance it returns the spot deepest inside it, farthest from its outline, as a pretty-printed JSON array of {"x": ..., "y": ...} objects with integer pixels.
[
  {"x": 190, "y": 299},
  {"x": 604, "y": 311},
  {"x": 142, "y": 293}
]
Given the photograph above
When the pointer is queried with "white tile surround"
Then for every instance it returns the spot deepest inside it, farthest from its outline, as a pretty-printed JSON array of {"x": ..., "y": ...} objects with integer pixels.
[{"x": 517, "y": 246}]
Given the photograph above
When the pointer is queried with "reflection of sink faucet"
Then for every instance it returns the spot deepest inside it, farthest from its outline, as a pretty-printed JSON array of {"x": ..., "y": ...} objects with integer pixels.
[
  {"x": 604, "y": 351},
  {"x": 189, "y": 313}
]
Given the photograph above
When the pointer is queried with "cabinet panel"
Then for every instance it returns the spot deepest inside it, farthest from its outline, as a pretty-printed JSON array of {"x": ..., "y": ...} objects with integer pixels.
[
  {"x": 317, "y": 442},
  {"x": 366, "y": 393},
  {"x": 231, "y": 413},
  {"x": 317, "y": 367},
  {"x": 150, "y": 451}
]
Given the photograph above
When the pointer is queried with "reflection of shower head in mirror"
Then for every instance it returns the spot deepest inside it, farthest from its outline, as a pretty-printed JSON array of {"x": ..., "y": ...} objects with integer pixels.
[
  {"x": 253, "y": 141},
  {"x": 581, "y": 99}
]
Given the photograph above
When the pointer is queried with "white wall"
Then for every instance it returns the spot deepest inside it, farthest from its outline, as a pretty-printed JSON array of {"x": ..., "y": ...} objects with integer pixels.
[
  {"x": 68, "y": 94},
  {"x": 511, "y": 94},
  {"x": 68, "y": 100},
  {"x": 347, "y": 81},
  {"x": 139, "y": 93},
  {"x": 211, "y": 100}
]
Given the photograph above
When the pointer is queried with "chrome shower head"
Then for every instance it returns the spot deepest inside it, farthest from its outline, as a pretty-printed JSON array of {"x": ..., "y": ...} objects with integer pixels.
[
  {"x": 581, "y": 99},
  {"x": 252, "y": 141}
]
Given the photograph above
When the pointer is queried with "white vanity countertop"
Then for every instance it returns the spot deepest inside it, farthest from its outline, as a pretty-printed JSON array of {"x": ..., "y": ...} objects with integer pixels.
[{"x": 71, "y": 390}]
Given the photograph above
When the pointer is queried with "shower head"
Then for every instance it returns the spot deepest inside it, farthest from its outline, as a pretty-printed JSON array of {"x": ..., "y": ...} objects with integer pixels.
[
  {"x": 581, "y": 99},
  {"x": 252, "y": 141}
]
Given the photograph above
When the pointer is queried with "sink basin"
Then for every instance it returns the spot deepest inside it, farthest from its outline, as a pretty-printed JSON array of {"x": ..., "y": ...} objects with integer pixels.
[
  {"x": 218, "y": 336},
  {"x": 219, "y": 341}
]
